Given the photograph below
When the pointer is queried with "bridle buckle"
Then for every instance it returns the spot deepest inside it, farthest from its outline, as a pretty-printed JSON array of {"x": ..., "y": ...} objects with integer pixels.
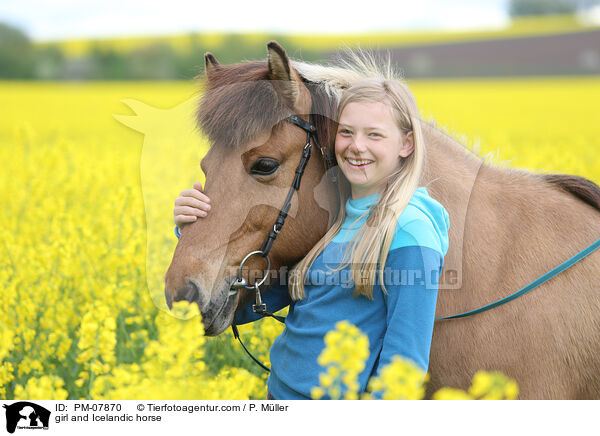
[{"x": 259, "y": 307}]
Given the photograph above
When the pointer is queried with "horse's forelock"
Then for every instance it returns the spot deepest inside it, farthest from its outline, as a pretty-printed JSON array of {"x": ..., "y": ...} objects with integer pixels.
[{"x": 239, "y": 103}]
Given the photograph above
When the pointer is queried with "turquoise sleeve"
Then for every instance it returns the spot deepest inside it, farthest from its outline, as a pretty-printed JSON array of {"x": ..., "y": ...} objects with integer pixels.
[{"x": 412, "y": 281}]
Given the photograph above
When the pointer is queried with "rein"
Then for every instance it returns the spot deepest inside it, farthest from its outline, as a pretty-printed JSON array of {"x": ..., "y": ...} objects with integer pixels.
[{"x": 261, "y": 308}]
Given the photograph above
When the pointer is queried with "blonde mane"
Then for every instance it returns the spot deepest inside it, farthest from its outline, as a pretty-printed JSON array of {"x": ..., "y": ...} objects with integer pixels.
[{"x": 357, "y": 64}]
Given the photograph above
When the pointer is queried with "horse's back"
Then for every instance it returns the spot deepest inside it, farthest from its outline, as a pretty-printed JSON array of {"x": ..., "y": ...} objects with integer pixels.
[{"x": 518, "y": 227}]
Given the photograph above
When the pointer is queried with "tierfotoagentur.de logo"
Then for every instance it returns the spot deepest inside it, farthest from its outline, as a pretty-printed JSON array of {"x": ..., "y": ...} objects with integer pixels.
[{"x": 26, "y": 415}]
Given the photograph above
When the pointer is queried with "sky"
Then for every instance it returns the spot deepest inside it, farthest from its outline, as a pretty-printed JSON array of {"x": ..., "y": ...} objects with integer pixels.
[{"x": 45, "y": 20}]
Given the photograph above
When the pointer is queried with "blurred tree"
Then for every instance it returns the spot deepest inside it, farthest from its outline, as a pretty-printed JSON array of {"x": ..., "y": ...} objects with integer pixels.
[
  {"x": 297, "y": 52},
  {"x": 518, "y": 8},
  {"x": 107, "y": 64},
  {"x": 49, "y": 63},
  {"x": 16, "y": 53},
  {"x": 156, "y": 61},
  {"x": 236, "y": 48},
  {"x": 190, "y": 63}
]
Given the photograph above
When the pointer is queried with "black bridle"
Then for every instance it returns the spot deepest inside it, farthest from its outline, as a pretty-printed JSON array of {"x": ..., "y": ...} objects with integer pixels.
[{"x": 259, "y": 306}]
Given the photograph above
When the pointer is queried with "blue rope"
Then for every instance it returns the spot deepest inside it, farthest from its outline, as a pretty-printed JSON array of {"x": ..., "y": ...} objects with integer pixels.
[{"x": 560, "y": 268}]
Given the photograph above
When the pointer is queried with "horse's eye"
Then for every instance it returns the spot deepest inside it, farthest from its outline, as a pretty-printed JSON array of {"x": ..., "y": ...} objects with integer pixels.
[{"x": 264, "y": 167}]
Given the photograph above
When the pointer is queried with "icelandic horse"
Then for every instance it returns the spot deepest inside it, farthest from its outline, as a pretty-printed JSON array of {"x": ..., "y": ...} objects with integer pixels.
[{"x": 507, "y": 228}]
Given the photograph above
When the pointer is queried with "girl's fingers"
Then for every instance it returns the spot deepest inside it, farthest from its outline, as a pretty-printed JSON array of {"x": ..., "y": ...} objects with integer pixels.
[
  {"x": 192, "y": 202},
  {"x": 202, "y": 197},
  {"x": 184, "y": 219},
  {"x": 189, "y": 211},
  {"x": 194, "y": 193}
]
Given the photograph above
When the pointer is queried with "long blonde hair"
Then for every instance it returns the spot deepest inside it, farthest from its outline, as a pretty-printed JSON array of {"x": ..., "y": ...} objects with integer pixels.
[{"x": 371, "y": 243}]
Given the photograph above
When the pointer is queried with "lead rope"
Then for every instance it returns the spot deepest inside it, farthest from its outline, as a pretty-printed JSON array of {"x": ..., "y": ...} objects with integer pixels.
[{"x": 531, "y": 286}]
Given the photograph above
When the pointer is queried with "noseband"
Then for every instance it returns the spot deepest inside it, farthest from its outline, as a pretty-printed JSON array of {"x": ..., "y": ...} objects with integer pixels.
[{"x": 259, "y": 306}]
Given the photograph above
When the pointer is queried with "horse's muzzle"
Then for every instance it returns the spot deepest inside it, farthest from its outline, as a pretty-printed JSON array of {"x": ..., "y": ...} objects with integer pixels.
[
  {"x": 189, "y": 293},
  {"x": 217, "y": 312}
]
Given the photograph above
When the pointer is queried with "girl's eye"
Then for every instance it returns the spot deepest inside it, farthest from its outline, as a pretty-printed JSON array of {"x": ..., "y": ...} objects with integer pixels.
[
  {"x": 264, "y": 167},
  {"x": 375, "y": 134},
  {"x": 345, "y": 132}
]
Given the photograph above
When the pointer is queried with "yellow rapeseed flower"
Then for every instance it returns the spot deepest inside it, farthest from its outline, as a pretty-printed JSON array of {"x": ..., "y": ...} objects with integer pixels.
[
  {"x": 82, "y": 271},
  {"x": 451, "y": 394},
  {"x": 344, "y": 355}
]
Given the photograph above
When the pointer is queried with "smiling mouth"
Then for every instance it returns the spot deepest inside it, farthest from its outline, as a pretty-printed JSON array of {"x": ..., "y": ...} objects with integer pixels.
[{"x": 358, "y": 163}]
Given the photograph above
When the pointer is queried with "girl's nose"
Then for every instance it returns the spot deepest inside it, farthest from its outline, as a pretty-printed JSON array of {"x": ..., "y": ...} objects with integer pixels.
[{"x": 357, "y": 144}]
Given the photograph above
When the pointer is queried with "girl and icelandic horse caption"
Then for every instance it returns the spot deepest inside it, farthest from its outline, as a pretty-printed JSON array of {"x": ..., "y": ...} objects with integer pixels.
[{"x": 509, "y": 227}]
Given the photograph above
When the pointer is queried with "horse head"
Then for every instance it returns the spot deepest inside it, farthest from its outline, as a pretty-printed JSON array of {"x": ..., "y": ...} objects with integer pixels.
[{"x": 249, "y": 169}]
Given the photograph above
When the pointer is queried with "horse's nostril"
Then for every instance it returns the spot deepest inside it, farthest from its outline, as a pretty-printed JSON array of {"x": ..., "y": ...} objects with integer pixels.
[
  {"x": 188, "y": 293},
  {"x": 192, "y": 294}
]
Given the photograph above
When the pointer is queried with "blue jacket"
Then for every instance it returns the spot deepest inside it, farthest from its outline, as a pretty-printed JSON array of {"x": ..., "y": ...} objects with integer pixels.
[{"x": 397, "y": 323}]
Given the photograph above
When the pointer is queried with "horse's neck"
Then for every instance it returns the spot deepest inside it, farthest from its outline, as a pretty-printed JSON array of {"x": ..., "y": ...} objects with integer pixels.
[
  {"x": 450, "y": 174},
  {"x": 448, "y": 163}
]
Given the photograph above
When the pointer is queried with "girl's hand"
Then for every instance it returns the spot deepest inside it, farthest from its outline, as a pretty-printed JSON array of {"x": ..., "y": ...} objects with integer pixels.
[{"x": 191, "y": 204}]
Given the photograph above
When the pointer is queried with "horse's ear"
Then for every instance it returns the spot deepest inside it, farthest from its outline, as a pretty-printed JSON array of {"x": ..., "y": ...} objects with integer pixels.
[
  {"x": 285, "y": 79},
  {"x": 210, "y": 64}
]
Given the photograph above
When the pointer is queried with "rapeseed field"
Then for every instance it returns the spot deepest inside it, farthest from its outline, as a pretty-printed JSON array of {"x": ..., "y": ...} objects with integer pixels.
[{"x": 87, "y": 233}]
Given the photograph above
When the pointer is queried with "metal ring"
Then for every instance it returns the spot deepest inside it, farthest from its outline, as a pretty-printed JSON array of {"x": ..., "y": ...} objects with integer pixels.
[
  {"x": 244, "y": 261},
  {"x": 275, "y": 230}
]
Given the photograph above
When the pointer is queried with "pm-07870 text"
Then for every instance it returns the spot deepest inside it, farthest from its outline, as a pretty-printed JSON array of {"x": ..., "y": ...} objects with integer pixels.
[{"x": 97, "y": 407}]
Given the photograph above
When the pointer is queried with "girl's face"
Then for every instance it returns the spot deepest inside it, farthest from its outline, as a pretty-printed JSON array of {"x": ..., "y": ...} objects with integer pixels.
[{"x": 369, "y": 145}]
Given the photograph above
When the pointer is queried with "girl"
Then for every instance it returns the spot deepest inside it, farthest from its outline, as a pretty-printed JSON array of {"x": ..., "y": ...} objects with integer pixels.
[{"x": 385, "y": 219}]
